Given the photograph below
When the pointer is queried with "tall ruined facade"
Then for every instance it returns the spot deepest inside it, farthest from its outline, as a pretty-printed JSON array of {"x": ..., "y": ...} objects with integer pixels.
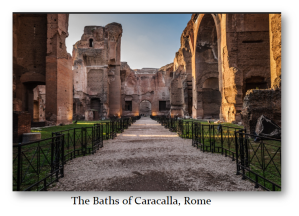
[
  {"x": 96, "y": 69},
  {"x": 222, "y": 57},
  {"x": 145, "y": 91},
  {"x": 40, "y": 59}
]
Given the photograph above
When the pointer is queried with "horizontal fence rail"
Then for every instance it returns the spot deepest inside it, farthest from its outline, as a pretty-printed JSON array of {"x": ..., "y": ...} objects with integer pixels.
[
  {"x": 258, "y": 158},
  {"x": 38, "y": 164}
]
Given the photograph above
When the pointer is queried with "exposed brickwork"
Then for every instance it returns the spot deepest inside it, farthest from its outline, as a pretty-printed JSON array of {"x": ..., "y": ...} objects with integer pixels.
[
  {"x": 39, "y": 58},
  {"x": 21, "y": 124},
  {"x": 96, "y": 63},
  {"x": 147, "y": 84}
]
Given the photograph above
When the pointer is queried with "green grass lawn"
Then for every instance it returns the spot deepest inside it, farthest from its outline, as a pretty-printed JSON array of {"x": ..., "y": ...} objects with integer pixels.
[{"x": 47, "y": 132}]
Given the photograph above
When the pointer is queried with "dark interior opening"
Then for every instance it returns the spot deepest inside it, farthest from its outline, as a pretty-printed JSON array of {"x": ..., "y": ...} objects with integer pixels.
[
  {"x": 162, "y": 105},
  {"x": 128, "y": 106},
  {"x": 95, "y": 104},
  {"x": 90, "y": 42}
]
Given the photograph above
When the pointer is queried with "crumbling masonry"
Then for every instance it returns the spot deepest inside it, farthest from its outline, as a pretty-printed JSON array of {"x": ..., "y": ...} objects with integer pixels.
[{"x": 228, "y": 65}]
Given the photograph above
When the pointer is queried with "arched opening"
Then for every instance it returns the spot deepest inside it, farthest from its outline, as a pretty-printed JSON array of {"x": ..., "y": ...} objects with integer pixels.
[
  {"x": 145, "y": 108},
  {"x": 91, "y": 42},
  {"x": 208, "y": 100}
]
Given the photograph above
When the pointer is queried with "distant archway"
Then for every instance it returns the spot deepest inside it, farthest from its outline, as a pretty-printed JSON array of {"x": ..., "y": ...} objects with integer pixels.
[{"x": 145, "y": 108}]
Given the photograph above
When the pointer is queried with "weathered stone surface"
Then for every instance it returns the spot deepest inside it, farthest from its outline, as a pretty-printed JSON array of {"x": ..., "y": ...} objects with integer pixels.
[
  {"x": 146, "y": 84},
  {"x": 21, "y": 124},
  {"x": 96, "y": 69},
  {"x": 40, "y": 57},
  {"x": 233, "y": 49},
  {"x": 39, "y": 103},
  {"x": 267, "y": 128},
  {"x": 261, "y": 102},
  {"x": 275, "y": 49},
  {"x": 30, "y": 137}
]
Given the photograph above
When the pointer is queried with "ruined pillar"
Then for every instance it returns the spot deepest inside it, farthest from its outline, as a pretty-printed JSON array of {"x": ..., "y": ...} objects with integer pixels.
[
  {"x": 59, "y": 76},
  {"x": 114, "y": 43}
]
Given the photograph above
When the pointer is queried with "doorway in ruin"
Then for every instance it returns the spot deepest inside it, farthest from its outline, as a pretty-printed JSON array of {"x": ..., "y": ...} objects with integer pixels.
[
  {"x": 208, "y": 99},
  {"x": 95, "y": 104},
  {"x": 145, "y": 108}
]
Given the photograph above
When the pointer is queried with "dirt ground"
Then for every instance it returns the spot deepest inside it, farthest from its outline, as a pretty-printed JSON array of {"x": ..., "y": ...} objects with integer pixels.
[{"x": 147, "y": 157}]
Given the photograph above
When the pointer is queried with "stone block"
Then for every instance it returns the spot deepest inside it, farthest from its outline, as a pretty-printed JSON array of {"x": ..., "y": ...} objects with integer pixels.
[{"x": 30, "y": 137}]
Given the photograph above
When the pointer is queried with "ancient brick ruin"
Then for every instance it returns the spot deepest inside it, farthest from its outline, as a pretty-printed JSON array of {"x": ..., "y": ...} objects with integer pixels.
[
  {"x": 40, "y": 59},
  {"x": 96, "y": 69},
  {"x": 145, "y": 88},
  {"x": 226, "y": 67}
]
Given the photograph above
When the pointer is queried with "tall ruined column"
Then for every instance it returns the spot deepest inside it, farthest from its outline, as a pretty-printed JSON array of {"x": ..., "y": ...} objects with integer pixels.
[
  {"x": 59, "y": 76},
  {"x": 275, "y": 49},
  {"x": 114, "y": 43}
]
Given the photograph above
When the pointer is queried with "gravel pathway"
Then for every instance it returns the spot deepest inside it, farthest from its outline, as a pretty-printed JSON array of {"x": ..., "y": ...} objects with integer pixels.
[{"x": 147, "y": 157}]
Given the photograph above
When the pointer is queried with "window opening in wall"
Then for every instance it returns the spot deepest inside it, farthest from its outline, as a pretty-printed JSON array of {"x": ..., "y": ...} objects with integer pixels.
[
  {"x": 162, "y": 105},
  {"x": 128, "y": 106},
  {"x": 90, "y": 42}
]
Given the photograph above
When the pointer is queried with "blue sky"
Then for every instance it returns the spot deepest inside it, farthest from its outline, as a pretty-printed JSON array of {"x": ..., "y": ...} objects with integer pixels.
[{"x": 148, "y": 40}]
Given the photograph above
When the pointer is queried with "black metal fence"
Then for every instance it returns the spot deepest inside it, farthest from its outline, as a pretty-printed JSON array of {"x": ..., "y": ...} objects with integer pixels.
[
  {"x": 258, "y": 158},
  {"x": 36, "y": 165}
]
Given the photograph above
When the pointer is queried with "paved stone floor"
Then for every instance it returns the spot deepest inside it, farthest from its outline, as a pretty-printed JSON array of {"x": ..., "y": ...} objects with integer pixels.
[{"x": 148, "y": 157}]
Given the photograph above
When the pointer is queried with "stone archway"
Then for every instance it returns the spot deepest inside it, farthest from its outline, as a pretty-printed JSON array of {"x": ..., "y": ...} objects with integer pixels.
[
  {"x": 207, "y": 68},
  {"x": 145, "y": 108}
]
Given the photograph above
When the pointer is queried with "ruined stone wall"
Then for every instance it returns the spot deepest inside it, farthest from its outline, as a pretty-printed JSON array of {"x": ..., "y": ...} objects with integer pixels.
[
  {"x": 233, "y": 48},
  {"x": 145, "y": 84},
  {"x": 21, "y": 124},
  {"x": 96, "y": 71},
  {"x": 39, "y": 58},
  {"x": 261, "y": 102},
  {"x": 59, "y": 76},
  {"x": 266, "y": 102},
  {"x": 182, "y": 72},
  {"x": 246, "y": 60},
  {"x": 29, "y": 62}
]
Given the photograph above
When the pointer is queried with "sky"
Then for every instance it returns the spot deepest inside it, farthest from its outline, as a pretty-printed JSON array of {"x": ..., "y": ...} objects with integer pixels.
[{"x": 148, "y": 40}]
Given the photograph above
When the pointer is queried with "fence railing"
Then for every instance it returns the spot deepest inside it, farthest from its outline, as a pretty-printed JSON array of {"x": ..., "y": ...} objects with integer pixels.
[
  {"x": 38, "y": 164},
  {"x": 258, "y": 158}
]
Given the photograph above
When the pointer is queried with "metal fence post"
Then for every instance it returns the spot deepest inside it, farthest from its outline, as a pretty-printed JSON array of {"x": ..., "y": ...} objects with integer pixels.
[
  {"x": 221, "y": 140},
  {"x": 19, "y": 167},
  {"x": 62, "y": 157},
  {"x": 237, "y": 153}
]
